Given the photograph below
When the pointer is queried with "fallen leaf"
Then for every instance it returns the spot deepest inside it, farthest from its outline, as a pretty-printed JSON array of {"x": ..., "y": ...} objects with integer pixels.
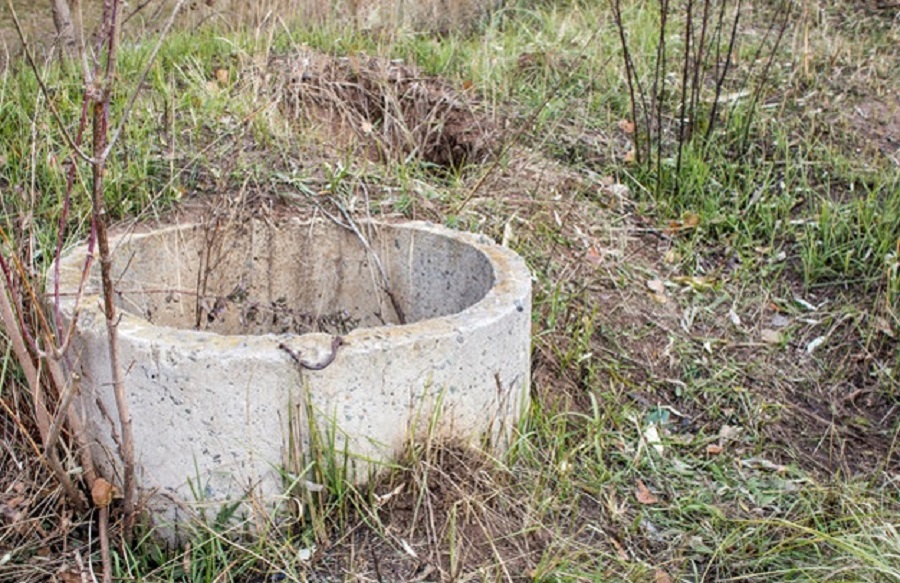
[
  {"x": 68, "y": 576},
  {"x": 883, "y": 326},
  {"x": 306, "y": 553},
  {"x": 763, "y": 464},
  {"x": 468, "y": 84},
  {"x": 629, "y": 157},
  {"x": 815, "y": 343},
  {"x": 729, "y": 432},
  {"x": 408, "y": 548},
  {"x": 661, "y": 576},
  {"x": 626, "y": 126},
  {"x": 735, "y": 319},
  {"x": 780, "y": 321},
  {"x": 690, "y": 220},
  {"x": 593, "y": 256},
  {"x": 699, "y": 283},
  {"x": 659, "y": 298},
  {"x": 101, "y": 493},
  {"x": 222, "y": 76},
  {"x": 643, "y": 494},
  {"x": 714, "y": 449},
  {"x": 656, "y": 285},
  {"x": 619, "y": 550},
  {"x": 770, "y": 336},
  {"x": 385, "y": 497},
  {"x": 651, "y": 434}
]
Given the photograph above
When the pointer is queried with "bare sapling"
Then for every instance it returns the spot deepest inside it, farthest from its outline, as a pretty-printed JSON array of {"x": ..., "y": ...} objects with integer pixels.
[
  {"x": 683, "y": 104},
  {"x": 39, "y": 338}
]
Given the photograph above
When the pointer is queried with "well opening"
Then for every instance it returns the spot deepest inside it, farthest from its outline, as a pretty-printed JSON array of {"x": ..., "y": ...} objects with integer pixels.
[{"x": 304, "y": 276}]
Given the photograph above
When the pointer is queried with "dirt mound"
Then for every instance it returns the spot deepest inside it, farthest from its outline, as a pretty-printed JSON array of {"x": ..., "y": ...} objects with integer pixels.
[{"x": 387, "y": 108}]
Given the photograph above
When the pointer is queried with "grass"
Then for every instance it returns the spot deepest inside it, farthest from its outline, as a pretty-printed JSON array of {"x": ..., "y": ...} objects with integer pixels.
[{"x": 754, "y": 398}]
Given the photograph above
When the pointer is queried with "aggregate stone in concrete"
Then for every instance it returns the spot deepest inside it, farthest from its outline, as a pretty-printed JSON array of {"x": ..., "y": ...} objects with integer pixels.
[{"x": 435, "y": 343}]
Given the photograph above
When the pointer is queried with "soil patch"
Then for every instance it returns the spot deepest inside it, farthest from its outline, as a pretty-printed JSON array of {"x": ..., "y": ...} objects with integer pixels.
[{"x": 387, "y": 110}]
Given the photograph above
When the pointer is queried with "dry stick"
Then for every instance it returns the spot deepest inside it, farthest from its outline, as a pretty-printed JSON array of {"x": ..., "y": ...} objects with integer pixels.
[
  {"x": 748, "y": 77},
  {"x": 15, "y": 327},
  {"x": 65, "y": 29},
  {"x": 109, "y": 308},
  {"x": 699, "y": 68},
  {"x": 104, "y": 544},
  {"x": 630, "y": 77},
  {"x": 22, "y": 429},
  {"x": 57, "y": 378},
  {"x": 74, "y": 143},
  {"x": 685, "y": 69},
  {"x": 720, "y": 80},
  {"x": 71, "y": 387},
  {"x": 659, "y": 77}
]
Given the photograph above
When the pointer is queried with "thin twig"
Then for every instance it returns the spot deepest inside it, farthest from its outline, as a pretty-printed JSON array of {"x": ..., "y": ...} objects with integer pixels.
[
  {"x": 685, "y": 71},
  {"x": 630, "y": 77},
  {"x": 659, "y": 77},
  {"x": 720, "y": 80},
  {"x": 104, "y": 544}
]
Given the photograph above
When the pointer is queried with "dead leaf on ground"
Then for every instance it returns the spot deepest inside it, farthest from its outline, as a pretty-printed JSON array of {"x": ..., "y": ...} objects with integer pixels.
[
  {"x": 644, "y": 495},
  {"x": 69, "y": 576},
  {"x": 699, "y": 283},
  {"x": 688, "y": 221},
  {"x": 629, "y": 157},
  {"x": 770, "y": 336},
  {"x": 656, "y": 286},
  {"x": 729, "y": 432},
  {"x": 659, "y": 298},
  {"x": 593, "y": 256},
  {"x": 222, "y": 76},
  {"x": 661, "y": 576},
  {"x": 714, "y": 449},
  {"x": 619, "y": 549},
  {"x": 101, "y": 493},
  {"x": 883, "y": 326}
]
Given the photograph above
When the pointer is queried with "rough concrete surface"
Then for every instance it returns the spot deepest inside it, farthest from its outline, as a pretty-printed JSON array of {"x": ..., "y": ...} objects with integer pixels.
[{"x": 220, "y": 407}]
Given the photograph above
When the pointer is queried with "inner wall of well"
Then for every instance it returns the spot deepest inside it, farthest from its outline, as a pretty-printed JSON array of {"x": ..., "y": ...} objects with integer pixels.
[{"x": 257, "y": 278}]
